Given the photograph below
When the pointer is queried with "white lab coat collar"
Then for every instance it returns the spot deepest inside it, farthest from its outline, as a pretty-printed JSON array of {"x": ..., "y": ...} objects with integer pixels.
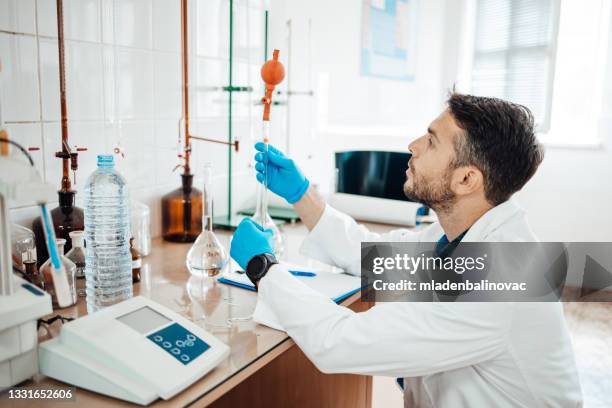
[
  {"x": 490, "y": 221},
  {"x": 486, "y": 226}
]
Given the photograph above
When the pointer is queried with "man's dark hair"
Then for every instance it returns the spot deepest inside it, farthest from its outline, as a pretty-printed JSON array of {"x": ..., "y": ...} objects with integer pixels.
[{"x": 499, "y": 139}]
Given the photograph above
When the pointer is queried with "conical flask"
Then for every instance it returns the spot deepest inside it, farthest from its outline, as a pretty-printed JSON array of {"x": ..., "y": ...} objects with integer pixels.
[{"x": 207, "y": 257}]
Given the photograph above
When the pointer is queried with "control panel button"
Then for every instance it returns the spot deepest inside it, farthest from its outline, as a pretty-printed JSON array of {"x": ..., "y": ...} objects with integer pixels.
[{"x": 179, "y": 342}]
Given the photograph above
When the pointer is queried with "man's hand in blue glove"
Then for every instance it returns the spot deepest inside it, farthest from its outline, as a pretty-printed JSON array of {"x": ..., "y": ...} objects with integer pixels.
[
  {"x": 250, "y": 240},
  {"x": 284, "y": 177}
]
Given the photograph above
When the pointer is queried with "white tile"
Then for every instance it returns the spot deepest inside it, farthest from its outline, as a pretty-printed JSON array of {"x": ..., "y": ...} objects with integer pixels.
[
  {"x": 167, "y": 86},
  {"x": 109, "y": 84},
  {"x": 106, "y": 20},
  {"x": 138, "y": 165},
  {"x": 49, "y": 79},
  {"x": 47, "y": 17},
  {"x": 18, "y": 16},
  {"x": 133, "y": 23},
  {"x": 135, "y": 84},
  {"x": 249, "y": 34},
  {"x": 167, "y": 148},
  {"x": 84, "y": 81},
  {"x": 165, "y": 162},
  {"x": 166, "y": 134},
  {"x": 52, "y": 143},
  {"x": 28, "y": 135},
  {"x": 206, "y": 151},
  {"x": 82, "y": 19},
  {"x": 167, "y": 25},
  {"x": 212, "y": 28},
  {"x": 20, "y": 78},
  {"x": 208, "y": 98}
]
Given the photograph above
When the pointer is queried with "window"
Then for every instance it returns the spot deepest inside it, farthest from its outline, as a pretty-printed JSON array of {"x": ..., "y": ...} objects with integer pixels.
[{"x": 514, "y": 53}]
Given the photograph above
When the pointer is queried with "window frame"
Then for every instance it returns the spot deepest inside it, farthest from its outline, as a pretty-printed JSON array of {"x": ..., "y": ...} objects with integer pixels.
[{"x": 545, "y": 124}]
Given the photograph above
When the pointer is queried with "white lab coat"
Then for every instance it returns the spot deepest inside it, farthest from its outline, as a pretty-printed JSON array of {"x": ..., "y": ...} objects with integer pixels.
[{"x": 450, "y": 354}]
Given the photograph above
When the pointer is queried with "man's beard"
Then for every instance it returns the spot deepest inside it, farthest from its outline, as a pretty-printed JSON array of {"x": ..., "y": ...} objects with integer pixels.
[{"x": 436, "y": 194}]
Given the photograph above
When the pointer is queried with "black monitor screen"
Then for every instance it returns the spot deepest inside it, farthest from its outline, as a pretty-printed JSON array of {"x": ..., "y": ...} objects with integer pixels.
[{"x": 372, "y": 173}]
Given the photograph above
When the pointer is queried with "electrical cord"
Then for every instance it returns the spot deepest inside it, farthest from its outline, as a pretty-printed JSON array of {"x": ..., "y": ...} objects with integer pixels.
[
  {"x": 20, "y": 147},
  {"x": 50, "y": 321}
]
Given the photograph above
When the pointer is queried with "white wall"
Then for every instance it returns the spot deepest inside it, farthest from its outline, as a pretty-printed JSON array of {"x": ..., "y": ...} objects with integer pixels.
[
  {"x": 569, "y": 197},
  {"x": 353, "y": 111}
]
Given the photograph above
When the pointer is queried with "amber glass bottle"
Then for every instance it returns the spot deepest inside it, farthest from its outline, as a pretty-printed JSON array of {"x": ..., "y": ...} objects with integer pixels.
[
  {"x": 182, "y": 212},
  {"x": 66, "y": 218}
]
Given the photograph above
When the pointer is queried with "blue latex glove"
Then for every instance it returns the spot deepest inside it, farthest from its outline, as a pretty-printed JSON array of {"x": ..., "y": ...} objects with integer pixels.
[
  {"x": 284, "y": 177},
  {"x": 249, "y": 240}
]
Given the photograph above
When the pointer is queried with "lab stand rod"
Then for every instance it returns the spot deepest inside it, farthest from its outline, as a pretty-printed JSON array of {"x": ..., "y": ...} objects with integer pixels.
[
  {"x": 64, "y": 154},
  {"x": 185, "y": 89},
  {"x": 185, "y": 72},
  {"x": 229, "y": 116}
]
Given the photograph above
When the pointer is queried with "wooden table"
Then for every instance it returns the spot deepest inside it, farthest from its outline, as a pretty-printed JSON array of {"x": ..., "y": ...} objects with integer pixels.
[{"x": 264, "y": 369}]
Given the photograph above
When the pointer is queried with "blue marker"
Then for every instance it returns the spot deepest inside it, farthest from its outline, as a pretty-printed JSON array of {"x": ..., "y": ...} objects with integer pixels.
[{"x": 302, "y": 273}]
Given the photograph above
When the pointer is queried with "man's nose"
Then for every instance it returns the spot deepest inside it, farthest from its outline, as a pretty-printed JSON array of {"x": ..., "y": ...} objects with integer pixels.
[{"x": 413, "y": 147}]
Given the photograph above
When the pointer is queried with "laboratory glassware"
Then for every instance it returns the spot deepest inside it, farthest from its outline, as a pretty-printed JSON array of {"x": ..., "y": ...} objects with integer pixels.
[
  {"x": 207, "y": 257},
  {"x": 108, "y": 262},
  {"x": 77, "y": 255},
  {"x": 182, "y": 212},
  {"x": 70, "y": 270},
  {"x": 22, "y": 246},
  {"x": 32, "y": 273},
  {"x": 272, "y": 73},
  {"x": 67, "y": 217},
  {"x": 141, "y": 227}
]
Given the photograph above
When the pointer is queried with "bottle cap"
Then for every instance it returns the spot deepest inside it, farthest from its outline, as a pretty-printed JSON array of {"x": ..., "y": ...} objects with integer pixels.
[
  {"x": 106, "y": 160},
  {"x": 78, "y": 238},
  {"x": 60, "y": 242}
]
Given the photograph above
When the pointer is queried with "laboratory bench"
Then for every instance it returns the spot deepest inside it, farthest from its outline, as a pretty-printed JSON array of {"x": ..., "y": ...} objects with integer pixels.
[{"x": 265, "y": 367}]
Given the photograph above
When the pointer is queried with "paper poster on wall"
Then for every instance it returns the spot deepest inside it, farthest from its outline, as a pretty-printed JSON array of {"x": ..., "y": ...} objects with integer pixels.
[{"x": 388, "y": 39}]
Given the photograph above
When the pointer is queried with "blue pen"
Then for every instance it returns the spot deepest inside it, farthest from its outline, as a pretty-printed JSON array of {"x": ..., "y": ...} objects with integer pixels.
[{"x": 302, "y": 273}]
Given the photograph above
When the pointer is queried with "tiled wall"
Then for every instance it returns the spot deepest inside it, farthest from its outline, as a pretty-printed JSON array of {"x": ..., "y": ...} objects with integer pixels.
[{"x": 123, "y": 88}]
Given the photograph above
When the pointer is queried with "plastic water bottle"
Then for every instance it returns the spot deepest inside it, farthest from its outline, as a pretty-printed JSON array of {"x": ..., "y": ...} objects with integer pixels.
[{"x": 108, "y": 263}]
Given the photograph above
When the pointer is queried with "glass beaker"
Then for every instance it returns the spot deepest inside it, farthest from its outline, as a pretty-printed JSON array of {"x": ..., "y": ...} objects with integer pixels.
[
  {"x": 70, "y": 269},
  {"x": 141, "y": 227},
  {"x": 207, "y": 257}
]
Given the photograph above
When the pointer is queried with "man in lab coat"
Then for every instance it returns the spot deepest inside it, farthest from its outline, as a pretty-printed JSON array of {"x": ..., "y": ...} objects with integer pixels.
[{"x": 472, "y": 159}]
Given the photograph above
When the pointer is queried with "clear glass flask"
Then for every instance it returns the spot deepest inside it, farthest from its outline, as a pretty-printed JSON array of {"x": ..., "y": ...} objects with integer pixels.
[
  {"x": 261, "y": 216},
  {"x": 207, "y": 257},
  {"x": 70, "y": 269}
]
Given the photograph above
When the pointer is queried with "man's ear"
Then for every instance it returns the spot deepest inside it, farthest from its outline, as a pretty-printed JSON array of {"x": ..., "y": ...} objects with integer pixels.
[{"x": 467, "y": 180}]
